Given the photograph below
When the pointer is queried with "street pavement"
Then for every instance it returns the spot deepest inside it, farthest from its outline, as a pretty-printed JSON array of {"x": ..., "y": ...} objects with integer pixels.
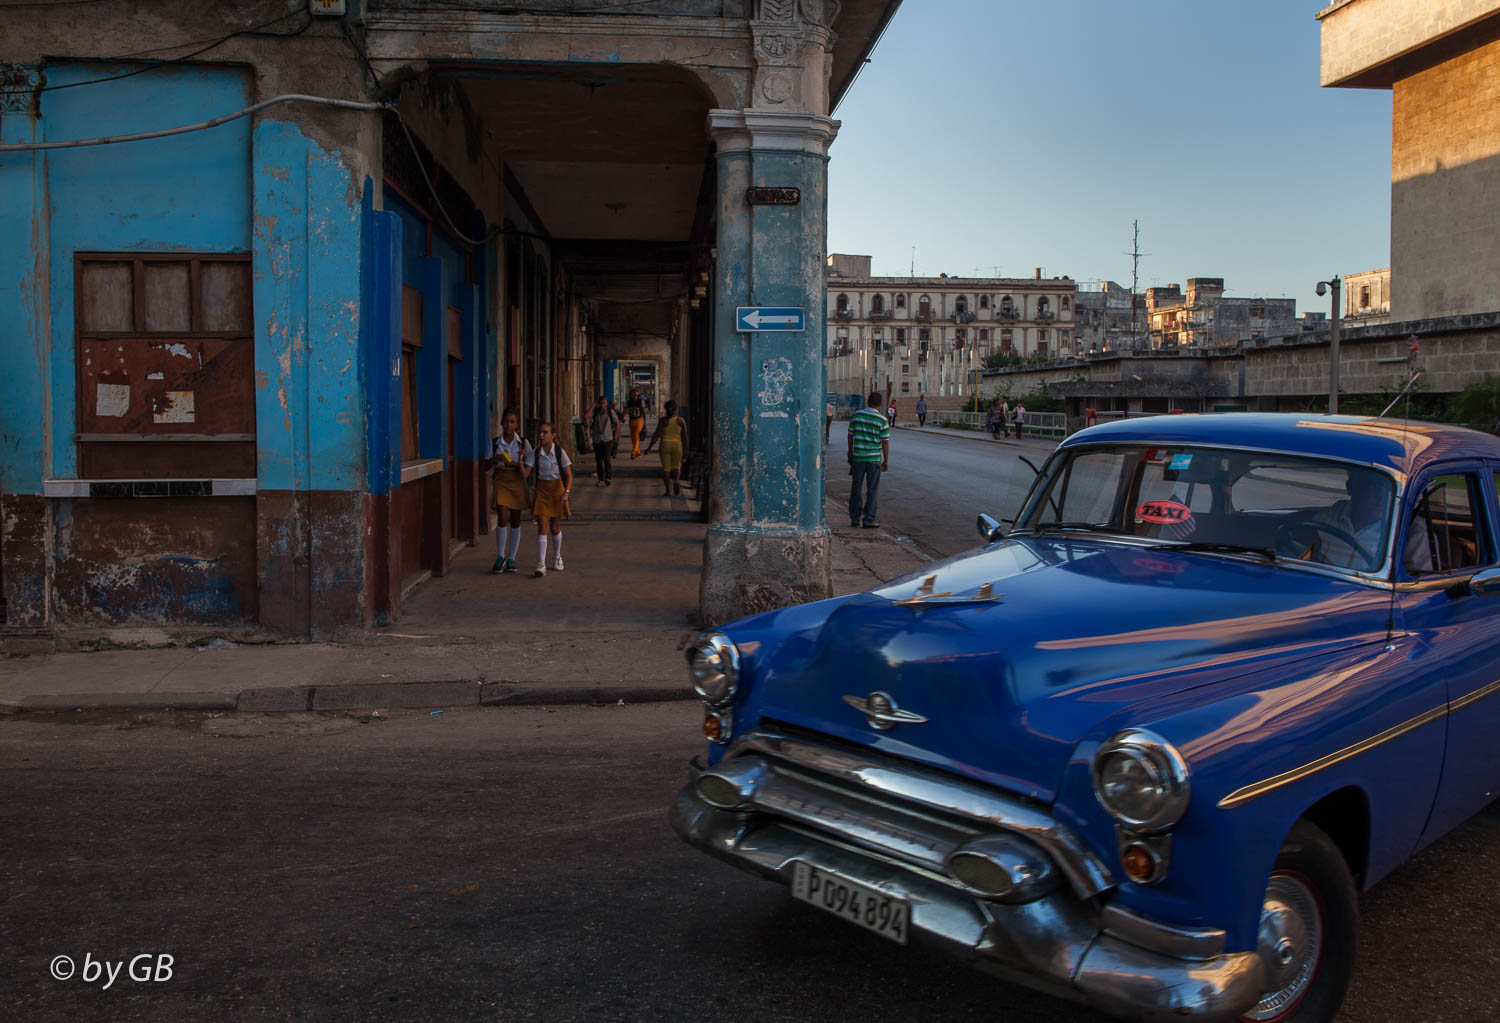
[
  {"x": 505, "y": 864},
  {"x": 940, "y": 480}
]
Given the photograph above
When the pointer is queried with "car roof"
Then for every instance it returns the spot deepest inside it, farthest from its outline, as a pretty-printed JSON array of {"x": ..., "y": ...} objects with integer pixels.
[{"x": 1403, "y": 445}]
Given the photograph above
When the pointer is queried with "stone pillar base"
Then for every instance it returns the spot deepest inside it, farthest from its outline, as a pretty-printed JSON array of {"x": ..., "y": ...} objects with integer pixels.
[{"x": 747, "y": 572}]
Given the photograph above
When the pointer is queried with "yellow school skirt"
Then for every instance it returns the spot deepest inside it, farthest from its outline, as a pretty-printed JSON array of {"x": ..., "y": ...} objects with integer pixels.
[
  {"x": 550, "y": 500},
  {"x": 510, "y": 489}
]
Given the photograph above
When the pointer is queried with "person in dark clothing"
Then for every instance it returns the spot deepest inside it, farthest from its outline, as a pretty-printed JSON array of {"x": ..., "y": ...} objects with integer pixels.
[{"x": 604, "y": 432}]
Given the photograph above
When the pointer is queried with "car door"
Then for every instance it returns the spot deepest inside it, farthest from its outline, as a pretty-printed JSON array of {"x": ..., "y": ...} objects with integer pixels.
[{"x": 1456, "y": 626}]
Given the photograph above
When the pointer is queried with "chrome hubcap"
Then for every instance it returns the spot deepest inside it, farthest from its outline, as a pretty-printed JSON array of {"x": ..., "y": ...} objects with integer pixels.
[{"x": 1290, "y": 942}]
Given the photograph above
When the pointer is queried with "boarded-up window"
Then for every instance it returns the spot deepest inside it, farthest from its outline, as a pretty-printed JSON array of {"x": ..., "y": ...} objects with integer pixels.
[
  {"x": 165, "y": 365},
  {"x": 411, "y": 344}
]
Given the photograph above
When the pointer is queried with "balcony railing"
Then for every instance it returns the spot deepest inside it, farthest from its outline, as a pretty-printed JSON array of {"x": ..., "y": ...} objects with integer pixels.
[
  {"x": 843, "y": 315},
  {"x": 1045, "y": 314},
  {"x": 884, "y": 314},
  {"x": 1008, "y": 314},
  {"x": 963, "y": 317},
  {"x": 924, "y": 317}
]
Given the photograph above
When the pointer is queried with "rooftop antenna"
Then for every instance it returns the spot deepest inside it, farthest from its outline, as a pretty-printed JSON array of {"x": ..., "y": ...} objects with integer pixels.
[
  {"x": 1135, "y": 279},
  {"x": 913, "y": 271}
]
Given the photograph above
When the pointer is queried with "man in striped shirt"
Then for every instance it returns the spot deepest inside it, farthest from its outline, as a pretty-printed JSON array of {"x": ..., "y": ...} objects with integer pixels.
[{"x": 869, "y": 456}]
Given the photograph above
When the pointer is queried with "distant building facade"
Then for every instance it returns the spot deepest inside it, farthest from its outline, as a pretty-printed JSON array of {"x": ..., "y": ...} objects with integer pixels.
[
  {"x": 1441, "y": 62},
  {"x": 1367, "y": 297},
  {"x": 928, "y": 335},
  {"x": 1107, "y": 317},
  {"x": 1203, "y": 316}
]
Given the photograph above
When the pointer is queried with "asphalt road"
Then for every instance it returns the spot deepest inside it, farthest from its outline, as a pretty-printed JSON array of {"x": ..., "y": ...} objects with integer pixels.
[
  {"x": 505, "y": 864},
  {"x": 937, "y": 485}
]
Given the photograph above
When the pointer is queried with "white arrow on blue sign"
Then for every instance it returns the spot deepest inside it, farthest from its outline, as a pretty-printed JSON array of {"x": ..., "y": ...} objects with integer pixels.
[{"x": 769, "y": 317}]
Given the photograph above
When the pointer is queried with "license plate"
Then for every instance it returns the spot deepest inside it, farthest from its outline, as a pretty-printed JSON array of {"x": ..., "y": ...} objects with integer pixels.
[{"x": 858, "y": 903}]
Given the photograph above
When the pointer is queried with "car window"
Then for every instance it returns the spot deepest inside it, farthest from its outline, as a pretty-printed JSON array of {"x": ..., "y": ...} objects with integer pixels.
[
  {"x": 1333, "y": 513},
  {"x": 1447, "y": 531}
]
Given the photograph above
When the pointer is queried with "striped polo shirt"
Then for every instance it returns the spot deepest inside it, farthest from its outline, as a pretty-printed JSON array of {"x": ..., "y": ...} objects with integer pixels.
[{"x": 868, "y": 427}]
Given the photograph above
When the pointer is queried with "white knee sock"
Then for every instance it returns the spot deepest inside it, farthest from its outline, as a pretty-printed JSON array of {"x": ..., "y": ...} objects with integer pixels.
[
  {"x": 515, "y": 542},
  {"x": 541, "y": 548},
  {"x": 557, "y": 545},
  {"x": 502, "y": 536}
]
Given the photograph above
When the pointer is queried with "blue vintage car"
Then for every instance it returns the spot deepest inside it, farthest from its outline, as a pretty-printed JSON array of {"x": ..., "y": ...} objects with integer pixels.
[{"x": 1143, "y": 750}]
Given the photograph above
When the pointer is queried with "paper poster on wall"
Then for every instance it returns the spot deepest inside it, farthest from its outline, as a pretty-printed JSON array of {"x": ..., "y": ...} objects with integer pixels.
[
  {"x": 174, "y": 407},
  {"x": 112, "y": 400}
]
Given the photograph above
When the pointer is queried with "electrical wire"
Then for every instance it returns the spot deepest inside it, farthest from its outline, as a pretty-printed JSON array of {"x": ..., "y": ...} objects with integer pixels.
[
  {"x": 170, "y": 61},
  {"x": 109, "y": 140}
]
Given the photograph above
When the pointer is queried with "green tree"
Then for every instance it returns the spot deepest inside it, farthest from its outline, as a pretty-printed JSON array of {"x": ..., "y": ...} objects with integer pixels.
[{"x": 1478, "y": 405}]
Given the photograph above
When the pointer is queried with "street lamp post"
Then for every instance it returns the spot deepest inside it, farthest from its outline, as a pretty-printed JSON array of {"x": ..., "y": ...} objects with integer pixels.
[{"x": 1333, "y": 343}]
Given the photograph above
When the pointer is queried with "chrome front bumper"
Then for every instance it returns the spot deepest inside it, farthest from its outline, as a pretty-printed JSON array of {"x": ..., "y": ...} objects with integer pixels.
[{"x": 892, "y": 825}]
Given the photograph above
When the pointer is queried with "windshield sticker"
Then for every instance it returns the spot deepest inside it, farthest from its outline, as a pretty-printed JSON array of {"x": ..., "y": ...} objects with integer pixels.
[
  {"x": 1180, "y": 462},
  {"x": 1158, "y": 566},
  {"x": 1163, "y": 512},
  {"x": 1156, "y": 454}
]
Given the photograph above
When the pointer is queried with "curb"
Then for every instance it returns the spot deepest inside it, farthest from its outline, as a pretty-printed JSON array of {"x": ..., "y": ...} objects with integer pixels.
[
  {"x": 978, "y": 435},
  {"x": 353, "y": 696}
]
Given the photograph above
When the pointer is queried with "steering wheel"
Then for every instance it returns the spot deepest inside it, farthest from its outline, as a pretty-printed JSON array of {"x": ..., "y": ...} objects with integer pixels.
[{"x": 1287, "y": 540}]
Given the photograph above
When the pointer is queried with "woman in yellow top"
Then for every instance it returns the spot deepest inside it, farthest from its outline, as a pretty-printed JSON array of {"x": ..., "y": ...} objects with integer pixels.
[{"x": 672, "y": 432}]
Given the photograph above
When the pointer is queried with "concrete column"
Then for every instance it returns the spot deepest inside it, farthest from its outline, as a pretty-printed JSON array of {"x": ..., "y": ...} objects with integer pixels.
[{"x": 767, "y": 543}]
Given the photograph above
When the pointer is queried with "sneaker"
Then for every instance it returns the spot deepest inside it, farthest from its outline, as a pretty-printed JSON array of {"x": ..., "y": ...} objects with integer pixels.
[
  {"x": 609, "y": 483},
  {"x": 498, "y": 566},
  {"x": 541, "y": 570},
  {"x": 872, "y": 525},
  {"x": 510, "y": 565},
  {"x": 601, "y": 483},
  {"x": 557, "y": 565}
]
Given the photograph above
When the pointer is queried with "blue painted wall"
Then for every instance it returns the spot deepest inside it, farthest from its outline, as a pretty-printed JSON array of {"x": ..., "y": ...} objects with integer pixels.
[
  {"x": 190, "y": 192},
  {"x": 309, "y": 403}
]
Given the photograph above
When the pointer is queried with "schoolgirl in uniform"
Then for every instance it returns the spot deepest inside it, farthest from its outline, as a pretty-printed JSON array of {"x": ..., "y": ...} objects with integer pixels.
[
  {"x": 554, "y": 481},
  {"x": 508, "y": 463}
]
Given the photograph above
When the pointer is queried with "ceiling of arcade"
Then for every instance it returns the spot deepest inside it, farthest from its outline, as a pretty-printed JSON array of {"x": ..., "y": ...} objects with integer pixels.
[{"x": 602, "y": 153}]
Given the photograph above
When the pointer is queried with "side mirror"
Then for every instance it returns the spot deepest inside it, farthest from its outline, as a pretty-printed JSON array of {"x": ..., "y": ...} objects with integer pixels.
[
  {"x": 989, "y": 529},
  {"x": 1485, "y": 583}
]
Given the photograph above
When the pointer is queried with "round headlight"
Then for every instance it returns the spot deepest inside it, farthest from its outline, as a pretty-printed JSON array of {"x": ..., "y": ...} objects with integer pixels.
[
  {"x": 1142, "y": 780},
  {"x": 714, "y": 664}
]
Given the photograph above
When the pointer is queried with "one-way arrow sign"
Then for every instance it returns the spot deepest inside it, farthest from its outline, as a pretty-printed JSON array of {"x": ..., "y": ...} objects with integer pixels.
[{"x": 749, "y": 318}]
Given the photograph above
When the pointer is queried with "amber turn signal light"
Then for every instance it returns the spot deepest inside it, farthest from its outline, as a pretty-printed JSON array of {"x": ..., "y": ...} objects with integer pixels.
[
  {"x": 716, "y": 725},
  {"x": 1139, "y": 861}
]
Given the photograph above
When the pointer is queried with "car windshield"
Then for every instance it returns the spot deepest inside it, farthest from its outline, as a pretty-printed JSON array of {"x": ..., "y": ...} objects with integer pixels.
[{"x": 1282, "y": 506}]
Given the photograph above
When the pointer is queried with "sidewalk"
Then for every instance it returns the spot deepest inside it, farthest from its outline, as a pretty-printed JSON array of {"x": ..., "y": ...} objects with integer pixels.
[{"x": 610, "y": 627}]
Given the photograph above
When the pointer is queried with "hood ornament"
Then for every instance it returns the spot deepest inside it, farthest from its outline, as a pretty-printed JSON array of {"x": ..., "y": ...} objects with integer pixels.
[
  {"x": 925, "y": 597},
  {"x": 881, "y": 712}
]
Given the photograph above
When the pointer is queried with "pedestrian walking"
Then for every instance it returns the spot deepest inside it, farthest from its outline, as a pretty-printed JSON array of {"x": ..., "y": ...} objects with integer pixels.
[
  {"x": 604, "y": 432},
  {"x": 672, "y": 432},
  {"x": 507, "y": 462},
  {"x": 1020, "y": 418},
  {"x": 827, "y": 419},
  {"x": 635, "y": 415},
  {"x": 869, "y": 456},
  {"x": 554, "y": 482},
  {"x": 922, "y": 411},
  {"x": 992, "y": 420},
  {"x": 890, "y": 412}
]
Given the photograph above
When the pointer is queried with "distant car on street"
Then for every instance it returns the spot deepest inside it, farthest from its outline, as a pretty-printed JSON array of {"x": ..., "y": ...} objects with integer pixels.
[{"x": 1144, "y": 750}]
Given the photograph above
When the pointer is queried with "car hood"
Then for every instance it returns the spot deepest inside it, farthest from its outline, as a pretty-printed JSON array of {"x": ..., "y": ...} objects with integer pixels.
[{"x": 1078, "y": 631}]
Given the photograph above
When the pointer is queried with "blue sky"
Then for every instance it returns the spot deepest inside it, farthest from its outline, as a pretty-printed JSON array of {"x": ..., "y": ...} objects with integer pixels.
[{"x": 996, "y": 133}]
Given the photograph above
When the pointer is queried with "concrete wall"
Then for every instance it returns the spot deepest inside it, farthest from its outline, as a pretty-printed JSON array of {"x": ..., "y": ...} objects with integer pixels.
[
  {"x": 1445, "y": 187},
  {"x": 1362, "y": 39}
]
